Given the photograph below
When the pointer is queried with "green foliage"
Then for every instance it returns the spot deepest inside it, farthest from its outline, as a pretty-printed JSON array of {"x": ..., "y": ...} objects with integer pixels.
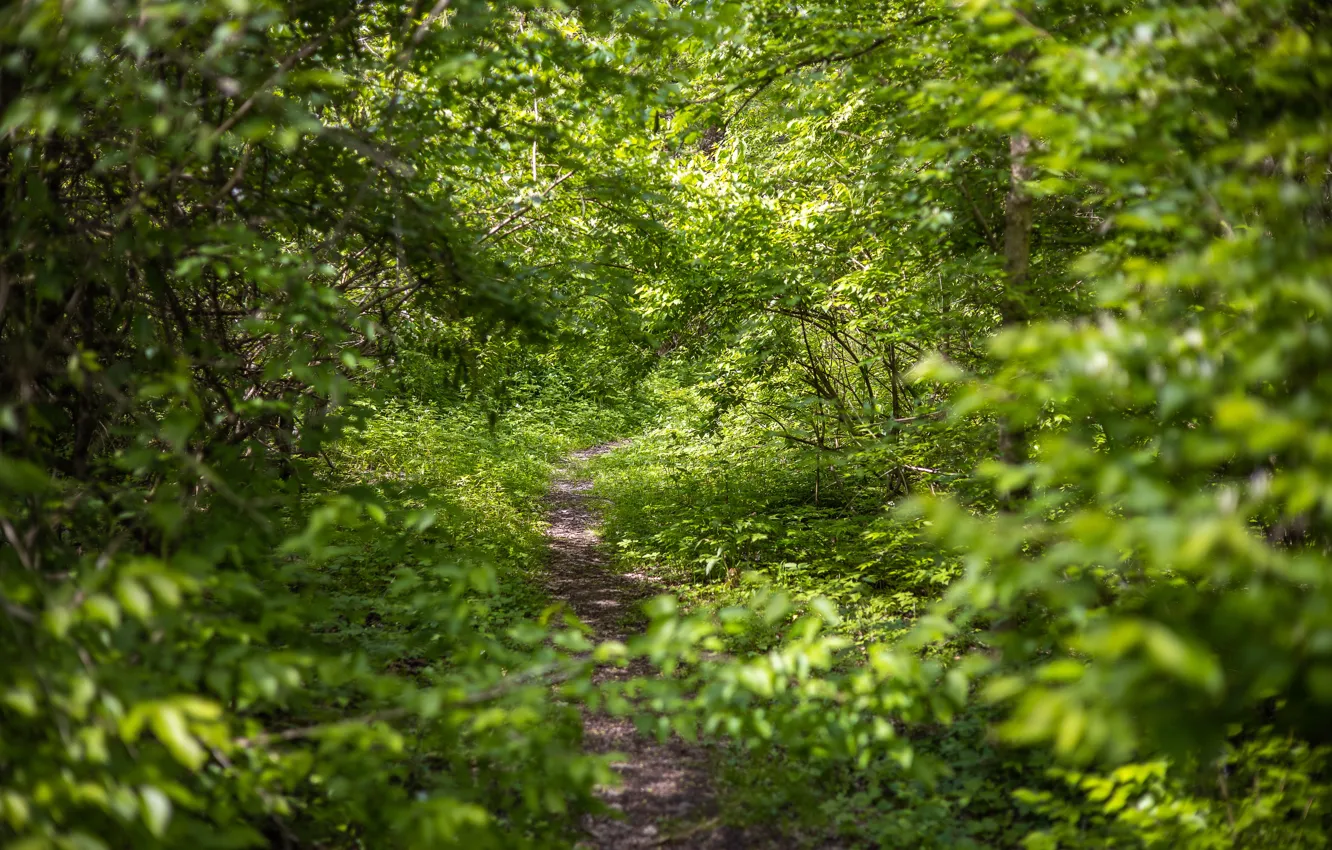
[
  {"x": 1173, "y": 438},
  {"x": 1267, "y": 791},
  {"x": 976, "y": 350},
  {"x": 375, "y": 673},
  {"x": 1129, "y": 480},
  {"x": 231, "y": 622},
  {"x": 705, "y": 503}
]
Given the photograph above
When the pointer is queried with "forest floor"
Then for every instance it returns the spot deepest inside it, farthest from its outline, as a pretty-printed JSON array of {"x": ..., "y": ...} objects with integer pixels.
[{"x": 667, "y": 798}]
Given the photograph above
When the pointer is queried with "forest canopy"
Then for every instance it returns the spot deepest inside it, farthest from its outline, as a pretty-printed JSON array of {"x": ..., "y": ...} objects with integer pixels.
[{"x": 967, "y": 362}]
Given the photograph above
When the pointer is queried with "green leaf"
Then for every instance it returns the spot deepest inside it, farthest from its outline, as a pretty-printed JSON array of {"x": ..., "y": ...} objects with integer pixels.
[
  {"x": 170, "y": 727},
  {"x": 156, "y": 810}
]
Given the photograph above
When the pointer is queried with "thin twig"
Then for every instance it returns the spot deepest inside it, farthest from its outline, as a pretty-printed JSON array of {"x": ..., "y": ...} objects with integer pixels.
[
  {"x": 774, "y": 75},
  {"x": 523, "y": 210},
  {"x": 283, "y": 68},
  {"x": 931, "y": 471},
  {"x": 429, "y": 19},
  {"x": 980, "y": 217},
  {"x": 1025, "y": 20}
]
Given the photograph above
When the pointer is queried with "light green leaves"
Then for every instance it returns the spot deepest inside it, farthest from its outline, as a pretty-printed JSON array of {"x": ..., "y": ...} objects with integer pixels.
[
  {"x": 181, "y": 724},
  {"x": 156, "y": 810}
]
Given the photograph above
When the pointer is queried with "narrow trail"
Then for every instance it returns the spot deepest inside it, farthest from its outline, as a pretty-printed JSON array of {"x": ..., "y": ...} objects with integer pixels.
[{"x": 666, "y": 798}]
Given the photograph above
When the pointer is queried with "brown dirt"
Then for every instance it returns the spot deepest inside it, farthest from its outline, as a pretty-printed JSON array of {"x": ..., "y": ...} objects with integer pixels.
[{"x": 666, "y": 799}]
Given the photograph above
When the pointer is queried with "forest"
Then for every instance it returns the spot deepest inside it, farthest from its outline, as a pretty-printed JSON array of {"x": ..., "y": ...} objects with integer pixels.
[{"x": 665, "y": 423}]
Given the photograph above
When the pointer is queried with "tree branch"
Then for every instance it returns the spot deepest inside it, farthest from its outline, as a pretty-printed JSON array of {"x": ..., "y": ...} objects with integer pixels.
[{"x": 521, "y": 211}]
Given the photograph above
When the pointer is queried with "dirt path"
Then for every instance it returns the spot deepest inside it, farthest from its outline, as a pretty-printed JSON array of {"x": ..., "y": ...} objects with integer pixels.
[{"x": 666, "y": 798}]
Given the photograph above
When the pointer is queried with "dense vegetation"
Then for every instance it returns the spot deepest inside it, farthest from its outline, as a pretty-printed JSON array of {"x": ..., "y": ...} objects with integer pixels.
[{"x": 974, "y": 354}]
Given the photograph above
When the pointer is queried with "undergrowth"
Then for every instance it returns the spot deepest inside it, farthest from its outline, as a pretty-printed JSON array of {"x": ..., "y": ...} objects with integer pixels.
[
  {"x": 706, "y": 505},
  {"x": 420, "y": 573},
  {"x": 727, "y": 514}
]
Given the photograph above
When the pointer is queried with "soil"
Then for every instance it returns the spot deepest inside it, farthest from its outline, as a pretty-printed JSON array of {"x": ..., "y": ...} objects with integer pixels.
[{"x": 666, "y": 798}]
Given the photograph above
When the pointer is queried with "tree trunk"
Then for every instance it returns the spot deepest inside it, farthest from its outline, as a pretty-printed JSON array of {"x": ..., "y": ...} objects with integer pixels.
[
  {"x": 1013, "y": 307},
  {"x": 1017, "y": 232}
]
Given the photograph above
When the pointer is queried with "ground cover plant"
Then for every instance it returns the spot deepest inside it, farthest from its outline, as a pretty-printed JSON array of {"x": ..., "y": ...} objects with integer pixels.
[{"x": 970, "y": 357}]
